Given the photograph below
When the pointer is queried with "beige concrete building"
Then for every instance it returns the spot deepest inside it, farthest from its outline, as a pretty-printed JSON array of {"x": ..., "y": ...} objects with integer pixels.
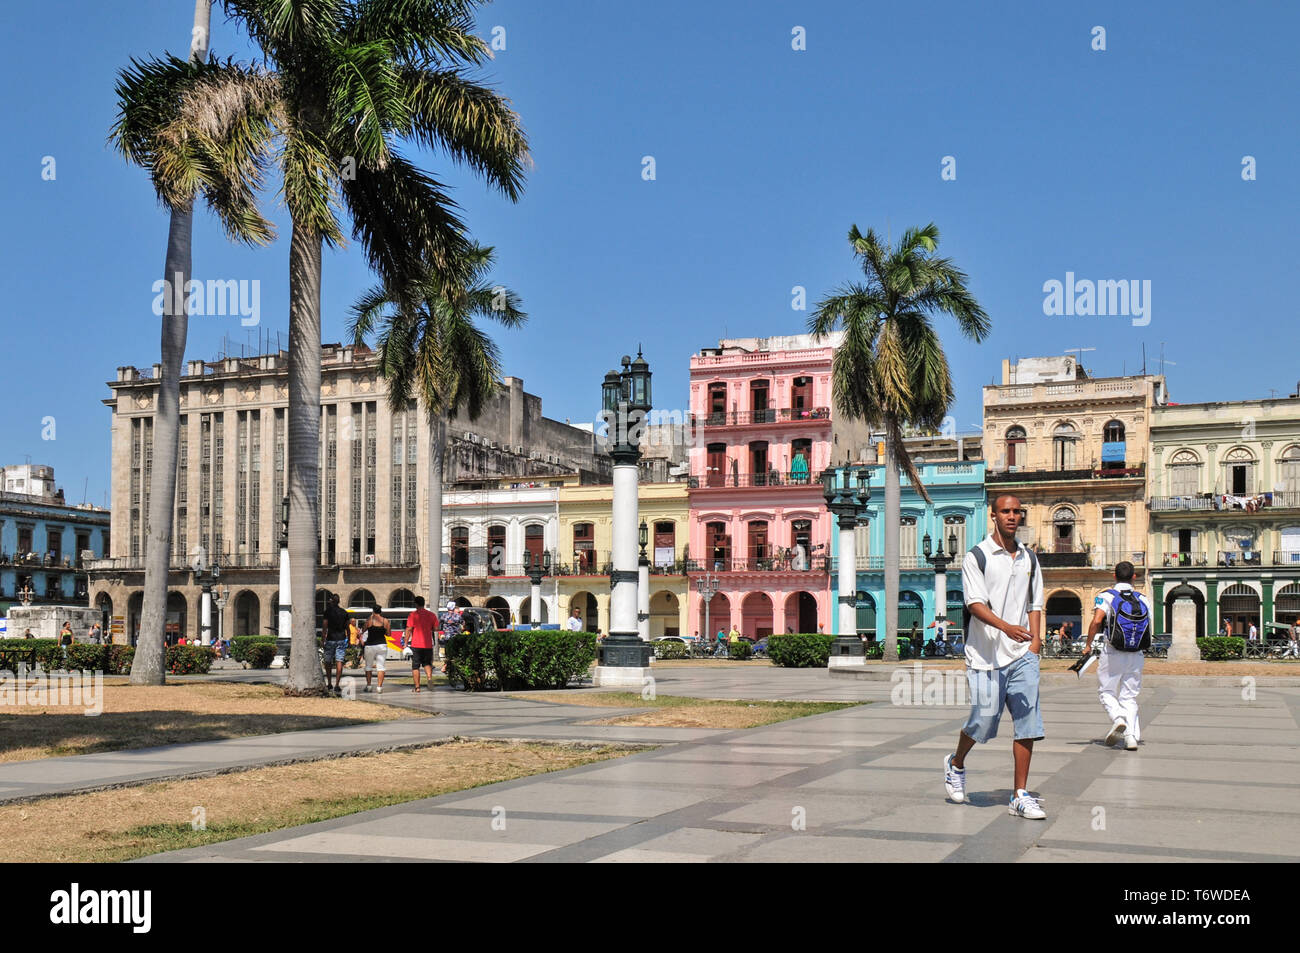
[
  {"x": 1073, "y": 448},
  {"x": 231, "y": 474}
]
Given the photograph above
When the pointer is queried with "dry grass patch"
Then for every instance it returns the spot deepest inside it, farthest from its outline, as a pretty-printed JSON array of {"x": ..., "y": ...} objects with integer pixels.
[
  {"x": 145, "y": 716},
  {"x": 676, "y": 711},
  {"x": 134, "y": 822}
]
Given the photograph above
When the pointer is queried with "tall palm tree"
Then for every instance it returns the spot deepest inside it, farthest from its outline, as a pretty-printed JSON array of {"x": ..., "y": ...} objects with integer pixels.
[
  {"x": 890, "y": 370},
  {"x": 149, "y": 665},
  {"x": 430, "y": 348},
  {"x": 345, "y": 81}
]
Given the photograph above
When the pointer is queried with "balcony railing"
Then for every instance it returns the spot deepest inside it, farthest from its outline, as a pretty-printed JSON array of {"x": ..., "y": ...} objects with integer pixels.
[
  {"x": 877, "y": 563},
  {"x": 1226, "y": 502},
  {"x": 1025, "y": 475},
  {"x": 817, "y": 564},
  {"x": 1286, "y": 557},
  {"x": 1239, "y": 558},
  {"x": 1187, "y": 560},
  {"x": 772, "y": 415},
  {"x": 771, "y": 478}
]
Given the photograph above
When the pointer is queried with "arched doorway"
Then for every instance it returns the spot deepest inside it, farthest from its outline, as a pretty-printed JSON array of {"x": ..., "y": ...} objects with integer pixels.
[
  {"x": 1185, "y": 593},
  {"x": 756, "y": 615},
  {"x": 247, "y": 610},
  {"x": 719, "y": 616},
  {"x": 911, "y": 611},
  {"x": 1286, "y": 604},
  {"x": 585, "y": 603},
  {"x": 526, "y": 611},
  {"x": 501, "y": 609},
  {"x": 866, "y": 607},
  {"x": 1239, "y": 605},
  {"x": 177, "y": 616},
  {"x": 801, "y": 612},
  {"x": 134, "y": 605},
  {"x": 401, "y": 599},
  {"x": 664, "y": 615},
  {"x": 463, "y": 602},
  {"x": 1062, "y": 607},
  {"x": 104, "y": 603}
]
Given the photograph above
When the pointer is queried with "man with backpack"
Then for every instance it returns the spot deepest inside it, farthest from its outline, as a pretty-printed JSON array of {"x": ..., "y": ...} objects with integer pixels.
[
  {"x": 1003, "y": 588},
  {"x": 1125, "y": 616}
]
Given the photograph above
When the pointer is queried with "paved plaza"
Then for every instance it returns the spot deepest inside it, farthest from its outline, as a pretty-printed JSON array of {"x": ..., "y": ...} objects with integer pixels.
[{"x": 1214, "y": 780}]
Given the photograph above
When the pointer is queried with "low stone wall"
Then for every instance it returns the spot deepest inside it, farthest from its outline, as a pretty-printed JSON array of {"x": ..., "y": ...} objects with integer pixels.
[{"x": 46, "y": 621}]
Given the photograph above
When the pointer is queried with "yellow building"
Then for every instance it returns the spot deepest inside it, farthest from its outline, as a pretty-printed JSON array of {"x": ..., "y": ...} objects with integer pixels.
[
  {"x": 585, "y": 544},
  {"x": 1073, "y": 448}
]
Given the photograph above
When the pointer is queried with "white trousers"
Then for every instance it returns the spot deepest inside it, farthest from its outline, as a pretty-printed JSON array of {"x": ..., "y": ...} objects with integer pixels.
[{"x": 1119, "y": 679}]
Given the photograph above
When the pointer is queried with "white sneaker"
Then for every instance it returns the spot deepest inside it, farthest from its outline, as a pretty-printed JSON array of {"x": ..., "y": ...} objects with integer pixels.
[
  {"x": 954, "y": 781},
  {"x": 379, "y": 689},
  {"x": 1023, "y": 804},
  {"x": 1130, "y": 742},
  {"x": 1117, "y": 731}
]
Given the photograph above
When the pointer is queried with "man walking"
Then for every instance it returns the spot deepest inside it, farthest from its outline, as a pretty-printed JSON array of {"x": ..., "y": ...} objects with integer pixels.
[
  {"x": 336, "y": 642},
  {"x": 574, "y": 622},
  {"x": 1003, "y": 588},
  {"x": 1125, "y": 616},
  {"x": 419, "y": 635}
]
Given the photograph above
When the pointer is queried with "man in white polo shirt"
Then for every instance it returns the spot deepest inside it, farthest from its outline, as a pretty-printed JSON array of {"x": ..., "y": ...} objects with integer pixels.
[{"x": 1005, "y": 599}]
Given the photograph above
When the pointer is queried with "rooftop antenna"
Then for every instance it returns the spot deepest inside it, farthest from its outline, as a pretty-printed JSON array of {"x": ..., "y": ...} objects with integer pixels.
[
  {"x": 1163, "y": 362},
  {"x": 1079, "y": 355},
  {"x": 1144, "y": 358}
]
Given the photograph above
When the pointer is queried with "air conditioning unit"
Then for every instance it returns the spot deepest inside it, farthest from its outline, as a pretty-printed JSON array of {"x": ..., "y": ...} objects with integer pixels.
[{"x": 369, "y": 559}]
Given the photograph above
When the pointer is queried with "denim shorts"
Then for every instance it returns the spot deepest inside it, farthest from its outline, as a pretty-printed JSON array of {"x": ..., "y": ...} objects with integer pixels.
[
  {"x": 1015, "y": 688},
  {"x": 336, "y": 649}
]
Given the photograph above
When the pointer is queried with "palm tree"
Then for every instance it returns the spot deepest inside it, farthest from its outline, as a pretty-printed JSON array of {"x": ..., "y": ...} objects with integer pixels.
[
  {"x": 149, "y": 664},
  {"x": 346, "y": 80},
  {"x": 430, "y": 348},
  {"x": 890, "y": 370}
]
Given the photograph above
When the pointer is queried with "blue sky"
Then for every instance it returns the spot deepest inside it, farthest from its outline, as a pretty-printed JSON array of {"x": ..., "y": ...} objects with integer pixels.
[{"x": 1117, "y": 164}]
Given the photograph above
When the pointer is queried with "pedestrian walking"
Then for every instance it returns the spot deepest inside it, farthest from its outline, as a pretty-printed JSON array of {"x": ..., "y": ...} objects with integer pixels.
[
  {"x": 1293, "y": 650},
  {"x": 419, "y": 636},
  {"x": 1124, "y": 615},
  {"x": 96, "y": 635},
  {"x": 376, "y": 648},
  {"x": 336, "y": 642},
  {"x": 65, "y": 634},
  {"x": 1003, "y": 588},
  {"x": 1254, "y": 633}
]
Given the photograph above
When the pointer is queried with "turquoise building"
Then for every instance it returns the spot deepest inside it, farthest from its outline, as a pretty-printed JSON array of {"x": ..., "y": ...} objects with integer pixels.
[{"x": 959, "y": 508}]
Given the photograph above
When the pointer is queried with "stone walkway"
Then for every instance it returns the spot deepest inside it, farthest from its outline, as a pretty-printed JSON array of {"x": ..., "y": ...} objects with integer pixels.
[{"x": 1214, "y": 780}]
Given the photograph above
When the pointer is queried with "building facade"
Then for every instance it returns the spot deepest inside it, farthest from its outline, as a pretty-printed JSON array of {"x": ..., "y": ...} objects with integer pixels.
[
  {"x": 232, "y": 474},
  {"x": 45, "y": 544},
  {"x": 1225, "y": 513},
  {"x": 760, "y": 536},
  {"x": 1074, "y": 450}
]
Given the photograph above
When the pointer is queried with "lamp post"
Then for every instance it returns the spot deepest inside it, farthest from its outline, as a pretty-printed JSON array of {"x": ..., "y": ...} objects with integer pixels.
[
  {"x": 207, "y": 576},
  {"x": 284, "y": 626},
  {"x": 707, "y": 587},
  {"x": 940, "y": 561},
  {"x": 625, "y": 401},
  {"x": 847, "y": 502},
  {"x": 535, "y": 571},
  {"x": 220, "y": 601},
  {"x": 643, "y": 586}
]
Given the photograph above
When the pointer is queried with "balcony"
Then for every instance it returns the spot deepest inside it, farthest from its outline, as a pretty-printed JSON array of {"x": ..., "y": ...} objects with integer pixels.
[
  {"x": 1240, "y": 558},
  {"x": 716, "y": 481},
  {"x": 817, "y": 564},
  {"x": 1225, "y": 502},
  {"x": 1187, "y": 560},
  {"x": 1024, "y": 475},
  {"x": 772, "y": 415},
  {"x": 1096, "y": 389},
  {"x": 1286, "y": 557},
  {"x": 1072, "y": 560}
]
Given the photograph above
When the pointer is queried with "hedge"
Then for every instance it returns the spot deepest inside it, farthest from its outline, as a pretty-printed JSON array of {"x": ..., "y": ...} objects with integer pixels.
[
  {"x": 241, "y": 644},
  {"x": 190, "y": 659},
  {"x": 509, "y": 661},
  {"x": 1217, "y": 648},
  {"x": 258, "y": 654},
  {"x": 49, "y": 654},
  {"x": 740, "y": 650},
  {"x": 802, "y": 650},
  {"x": 668, "y": 649}
]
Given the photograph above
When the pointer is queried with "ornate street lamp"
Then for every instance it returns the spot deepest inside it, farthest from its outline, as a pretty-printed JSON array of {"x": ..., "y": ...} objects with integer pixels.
[
  {"x": 625, "y": 402},
  {"x": 536, "y": 570},
  {"x": 285, "y": 626},
  {"x": 643, "y": 585},
  {"x": 847, "y": 495},
  {"x": 707, "y": 587},
  {"x": 940, "y": 561},
  {"x": 207, "y": 576}
]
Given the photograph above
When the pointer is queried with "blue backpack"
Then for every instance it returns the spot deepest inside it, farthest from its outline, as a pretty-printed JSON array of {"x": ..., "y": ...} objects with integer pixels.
[{"x": 1129, "y": 629}]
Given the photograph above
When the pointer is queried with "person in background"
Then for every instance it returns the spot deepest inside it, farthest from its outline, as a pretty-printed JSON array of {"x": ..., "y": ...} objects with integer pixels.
[
  {"x": 376, "y": 650},
  {"x": 574, "y": 622},
  {"x": 65, "y": 634},
  {"x": 96, "y": 635},
  {"x": 335, "y": 624},
  {"x": 1293, "y": 650},
  {"x": 419, "y": 636}
]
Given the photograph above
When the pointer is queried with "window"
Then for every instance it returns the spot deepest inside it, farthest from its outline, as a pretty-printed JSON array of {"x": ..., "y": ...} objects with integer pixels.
[
  {"x": 757, "y": 544},
  {"x": 717, "y": 403},
  {"x": 1239, "y": 472},
  {"x": 1289, "y": 472},
  {"x": 496, "y": 550},
  {"x": 862, "y": 545},
  {"x": 1015, "y": 447},
  {"x": 801, "y": 394},
  {"x": 906, "y": 539},
  {"x": 1113, "y": 432},
  {"x": 1114, "y": 534},
  {"x": 801, "y": 543},
  {"x": 535, "y": 542},
  {"x": 1184, "y": 474},
  {"x": 460, "y": 549},
  {"x": 758, "y": 462},
  {"x": 955, "y": 526},
  {"x": 717, "y": 544},
  {"x": 1064, "y": 441},
  {"x": 1063, "y": 531},
  {"x": 665, "y": 543},
  {"x": 584, "y": 546},
  {"x": 759, "y": 403}
]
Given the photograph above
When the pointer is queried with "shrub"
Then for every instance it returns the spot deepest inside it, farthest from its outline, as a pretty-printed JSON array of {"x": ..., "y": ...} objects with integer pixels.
[
  {"x": 49, "y": 654},
  {"x": 189, "y": 659},
  {"x": 1217, "y": 648},
  {"x": 83, "y": 656},
  {"x": 876, "y": 650},
  {"x": 804, "y": 650},
  {"x": 240, "y": 645},
  {"x": 259, "y": 654},
  {"x": 120, "y": 658},
  {"x": 740, "y": 650},
  {"x": 669, "y": 649},
  {"x": 510, "y": 661}
]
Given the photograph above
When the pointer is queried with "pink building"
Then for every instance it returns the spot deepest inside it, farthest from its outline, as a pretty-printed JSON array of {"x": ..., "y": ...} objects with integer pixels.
[{"x": 764, "y": 429}]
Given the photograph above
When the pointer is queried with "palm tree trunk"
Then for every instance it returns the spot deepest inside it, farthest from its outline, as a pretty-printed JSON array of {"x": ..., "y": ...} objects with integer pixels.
[
  {"x": 892, "y": 517},
  {"x": 304, "y": 450},
  {"x": 149, "y": 664},
  {"x": 437, "y": 455}
]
